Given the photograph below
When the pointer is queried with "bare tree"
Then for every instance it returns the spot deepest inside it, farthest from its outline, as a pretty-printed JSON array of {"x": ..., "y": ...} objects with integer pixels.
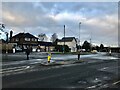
[
  {"x": 42, "y": 37},
  {"x": 2, "y": 27},
  {"x": 54, "y": 37}
]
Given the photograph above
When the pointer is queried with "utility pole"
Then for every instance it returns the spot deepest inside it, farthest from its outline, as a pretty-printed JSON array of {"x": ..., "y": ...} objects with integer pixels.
[
  {"x": 79, "y": 42},
  {"x": 79, "y": 34},
  {"x": 90, "y": 45},
  {"x": 64, "y": 40},
  {"x": 91, "y": 42}
]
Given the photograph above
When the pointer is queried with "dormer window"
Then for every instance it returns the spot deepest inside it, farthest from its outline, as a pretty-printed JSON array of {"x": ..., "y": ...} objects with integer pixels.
[{"x": 16, "y": 39}]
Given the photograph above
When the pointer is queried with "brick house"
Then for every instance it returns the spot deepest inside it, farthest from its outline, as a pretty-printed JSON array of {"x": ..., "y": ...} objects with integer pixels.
[{"x": 25, "y": 39}]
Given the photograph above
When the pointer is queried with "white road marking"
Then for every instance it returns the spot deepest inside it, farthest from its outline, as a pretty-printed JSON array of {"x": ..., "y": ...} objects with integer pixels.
[
  {"x": 13, "y": 68},
  {"x": 103, "y": 68},
  {"x": 116, "y": 82},
  {"x": 27, "y": 67},
  {"x": 21, "y": 62},
  {"x": 108, "y": 68},
  {"x": 92, "y": 87}
]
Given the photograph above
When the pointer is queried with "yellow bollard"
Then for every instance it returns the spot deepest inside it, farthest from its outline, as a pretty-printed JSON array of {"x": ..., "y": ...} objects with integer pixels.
[{"x": 49, "y": 57}]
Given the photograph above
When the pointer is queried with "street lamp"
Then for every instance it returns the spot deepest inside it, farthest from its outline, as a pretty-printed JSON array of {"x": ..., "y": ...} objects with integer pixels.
[
  {"x": 79, "y": 42},
  {"x": 79, "y": 34},
  {"x": 6, "y": 36},
  {"x": 6, "y": 42}
]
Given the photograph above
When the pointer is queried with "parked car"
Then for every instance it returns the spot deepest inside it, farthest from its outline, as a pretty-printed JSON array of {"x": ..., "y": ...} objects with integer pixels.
[
  {"x": 18, "y": 49},
  {"x": 94, "y": 51}
]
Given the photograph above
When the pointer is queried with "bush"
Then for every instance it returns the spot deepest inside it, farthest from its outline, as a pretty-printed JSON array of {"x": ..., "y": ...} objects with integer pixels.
[{"x": 60, "y": 48}]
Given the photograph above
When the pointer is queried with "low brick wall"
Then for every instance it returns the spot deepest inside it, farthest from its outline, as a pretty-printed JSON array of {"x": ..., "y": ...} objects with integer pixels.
[{"x": 6, "y": 48}]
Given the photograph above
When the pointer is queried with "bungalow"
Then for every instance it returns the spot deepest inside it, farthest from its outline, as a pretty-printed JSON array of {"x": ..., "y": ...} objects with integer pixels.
[
  {"x": 71, "y": 42},
  {"x": 45, "y": 46},
  {"x": 115, "y": 49}
]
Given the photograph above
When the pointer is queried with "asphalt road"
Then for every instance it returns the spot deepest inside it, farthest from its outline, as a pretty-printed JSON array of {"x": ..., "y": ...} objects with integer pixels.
[{"x": 95, "y": 75}]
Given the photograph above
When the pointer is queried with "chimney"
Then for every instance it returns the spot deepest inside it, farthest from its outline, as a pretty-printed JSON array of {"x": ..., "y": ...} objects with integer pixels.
[
  {"x": 6, "y": 37},
  {"x": 11, "y": 33}
]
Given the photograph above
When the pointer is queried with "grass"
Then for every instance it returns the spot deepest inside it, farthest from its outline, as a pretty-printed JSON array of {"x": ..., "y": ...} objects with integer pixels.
[{"x": 74, "y": 53}]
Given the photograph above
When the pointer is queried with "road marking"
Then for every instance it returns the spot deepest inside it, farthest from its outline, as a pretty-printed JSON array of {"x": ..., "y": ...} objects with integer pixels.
[
  {"x": 17, "y": 72},
  {"x": 104, "y": 86},
  {"x": 116, "y": 82},
  {"x": 21, "y": 62},
  {"x": 103, "y": 68},
  {"x": 27, "y": 67},
  {"x": 13, "y": 68},
  {"x": 9, "y": 70},
  {"x": 12, "y": 71},
  {"x": 109, "y": 68},
  {"x": 92, "y": 87}
]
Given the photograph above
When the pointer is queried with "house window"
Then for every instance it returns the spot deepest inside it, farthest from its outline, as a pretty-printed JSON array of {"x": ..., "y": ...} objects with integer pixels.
[
  {"x": 16, "y": 39},
  {"x": 13, "y": 39},
  {"x": 33, "y": 39},
  {"x": 27, "y": 39}
]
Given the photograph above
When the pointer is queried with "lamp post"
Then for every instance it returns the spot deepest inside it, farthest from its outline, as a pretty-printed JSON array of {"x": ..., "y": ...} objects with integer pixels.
[
  {"x": 6, "y": 36},
  {"x": 79, "y": 42},
  {"x": 6, "y": 42},
  {"x": 64, "y": 41},
  {"x": 79, "y": 34}
]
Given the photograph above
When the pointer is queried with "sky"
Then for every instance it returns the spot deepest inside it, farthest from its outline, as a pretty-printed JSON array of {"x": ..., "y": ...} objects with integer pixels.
[{"x": 99, "y": 20}]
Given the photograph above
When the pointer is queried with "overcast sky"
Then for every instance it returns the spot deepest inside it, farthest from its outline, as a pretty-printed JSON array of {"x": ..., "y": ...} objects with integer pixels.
[{"x": 99, "y": 21}]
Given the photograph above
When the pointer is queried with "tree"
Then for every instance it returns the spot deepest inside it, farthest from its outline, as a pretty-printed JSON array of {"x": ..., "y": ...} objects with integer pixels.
[
  {"x": 101, "y": 47},
  {"x": 54, "y": 37},
  {"x": 78, "y": 41},
  {"x": 97, "y": 48},
  {"x": 2, "y": 27},
  {"x": 42, "y": 37},
  {"x": 3, "y": 34},
  {"x": 86, "y": 46},
  {"x": 60, "y": 48},
  {"x": 78, "y": 47}
]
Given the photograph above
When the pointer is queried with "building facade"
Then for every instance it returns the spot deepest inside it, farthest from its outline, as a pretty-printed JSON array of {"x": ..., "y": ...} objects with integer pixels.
[
  {"x": 45, "y": 46},
  {"x": 25, "y": 39},
  {"x": 70, "y": 42}
]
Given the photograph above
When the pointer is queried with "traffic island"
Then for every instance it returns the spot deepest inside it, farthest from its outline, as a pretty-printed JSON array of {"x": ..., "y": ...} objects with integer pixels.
[
  {"x": 78, "y": 61},
  {"x": 50, "y": 64},
  {"x": 65, "y": 62}
]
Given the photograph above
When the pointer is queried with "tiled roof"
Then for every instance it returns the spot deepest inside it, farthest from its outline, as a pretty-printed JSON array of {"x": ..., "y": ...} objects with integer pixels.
[
  {"x": 2, "y": 40},
  {"x": 25, "y": 35},
  {"x": 66, "y": 39}
]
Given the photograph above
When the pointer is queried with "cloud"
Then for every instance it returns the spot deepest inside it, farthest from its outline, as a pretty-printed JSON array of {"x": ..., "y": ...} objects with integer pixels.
[
  {"x": 12, "y": 18},
  {"x": 98, "y": 19}
]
